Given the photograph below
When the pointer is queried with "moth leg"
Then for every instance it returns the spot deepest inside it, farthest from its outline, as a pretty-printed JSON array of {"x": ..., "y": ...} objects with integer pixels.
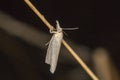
[
  {"x": 52, "y": 31},
  {"x": 47, "y": 43}
]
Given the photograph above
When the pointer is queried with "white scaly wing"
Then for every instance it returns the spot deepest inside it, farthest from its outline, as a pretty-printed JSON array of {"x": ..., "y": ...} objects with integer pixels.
[{"x": 53, "y": 51}]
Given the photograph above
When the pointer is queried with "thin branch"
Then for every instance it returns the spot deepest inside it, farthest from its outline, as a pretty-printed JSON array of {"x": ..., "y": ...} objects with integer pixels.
[{"x": 79, "y": 60}]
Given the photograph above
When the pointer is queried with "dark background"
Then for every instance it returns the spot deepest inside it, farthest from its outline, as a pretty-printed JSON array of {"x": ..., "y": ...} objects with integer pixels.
[{"x": 98, "y": 22}]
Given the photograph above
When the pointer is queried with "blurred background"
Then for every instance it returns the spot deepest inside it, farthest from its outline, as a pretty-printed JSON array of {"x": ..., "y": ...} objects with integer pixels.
[{"x": 23, "y": 37}]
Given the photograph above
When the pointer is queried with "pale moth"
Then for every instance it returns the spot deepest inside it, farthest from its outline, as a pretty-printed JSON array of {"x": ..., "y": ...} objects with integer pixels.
[{"x": 54, "y": 47}]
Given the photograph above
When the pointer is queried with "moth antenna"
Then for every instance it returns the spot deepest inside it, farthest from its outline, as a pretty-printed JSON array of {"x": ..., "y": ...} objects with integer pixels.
[
  {"x": 65, "y": 33},
  {"x": 70, "y": 28}
]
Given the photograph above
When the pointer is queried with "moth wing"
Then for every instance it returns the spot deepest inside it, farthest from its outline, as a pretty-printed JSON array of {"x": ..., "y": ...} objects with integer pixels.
[
  {"x": 53, "y": 51},
  {"x": 49, "y": 51}
]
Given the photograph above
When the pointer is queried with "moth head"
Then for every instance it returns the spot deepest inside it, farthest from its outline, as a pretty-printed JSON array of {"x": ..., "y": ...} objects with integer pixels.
[{"x": 58, "y": 28}]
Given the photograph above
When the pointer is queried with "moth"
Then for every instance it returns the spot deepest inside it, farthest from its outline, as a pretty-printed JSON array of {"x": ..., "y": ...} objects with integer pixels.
[{"x": 54, "y": 47}]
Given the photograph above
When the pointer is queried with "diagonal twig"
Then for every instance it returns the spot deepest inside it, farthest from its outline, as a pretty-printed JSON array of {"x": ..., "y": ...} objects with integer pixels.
[{"x": 79, "y": 60}]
